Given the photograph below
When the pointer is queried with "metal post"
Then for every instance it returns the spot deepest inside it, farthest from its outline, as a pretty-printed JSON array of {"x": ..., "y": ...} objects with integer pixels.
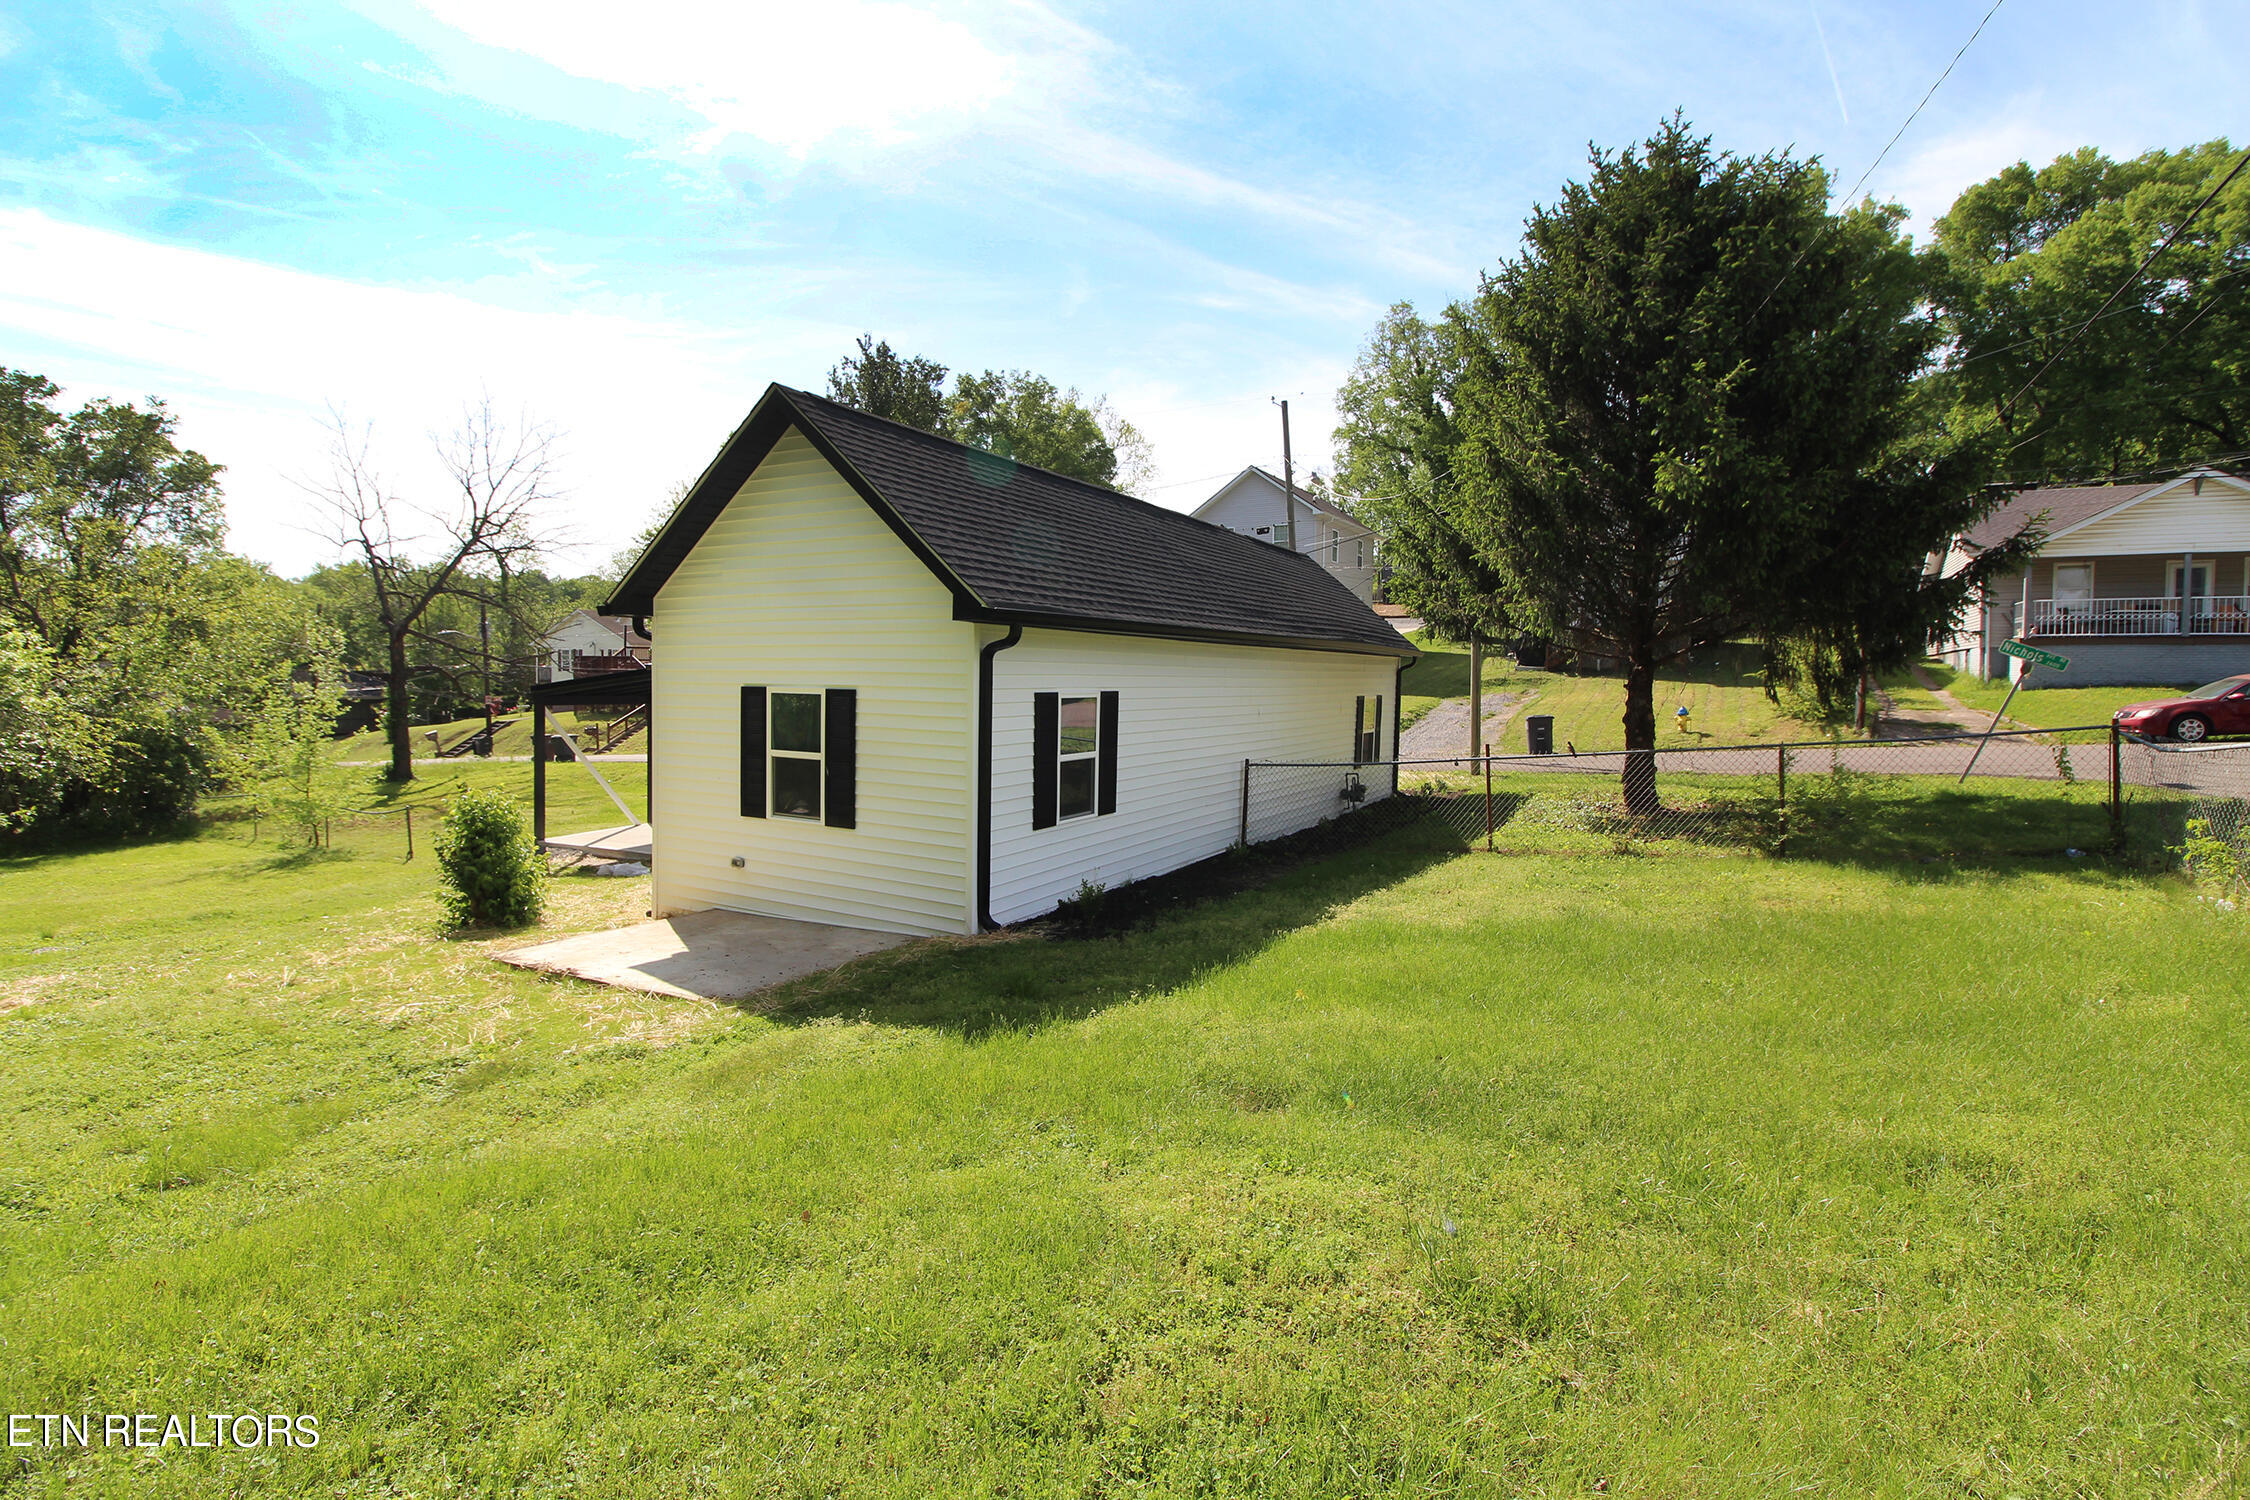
[
  {"x": 1995, "y": 724},
  {"x": 1488, "y": 797},
  {"x": 410, "y": 835},
  {"x": 1781, "y": 776},
  {"x": 1243, "y": 837},
  {"x": 539, "y": 773},
  {"x": 2116, "y": 786}
]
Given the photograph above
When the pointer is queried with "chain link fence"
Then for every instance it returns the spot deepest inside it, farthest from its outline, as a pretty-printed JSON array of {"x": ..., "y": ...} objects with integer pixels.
[
  {"x": 2199, "y": 797},
  {"x": 2021, "y": 792}
]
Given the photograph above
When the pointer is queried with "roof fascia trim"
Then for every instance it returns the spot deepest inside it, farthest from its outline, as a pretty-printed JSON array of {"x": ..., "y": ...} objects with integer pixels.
[{"x": 1090, "y": 626}]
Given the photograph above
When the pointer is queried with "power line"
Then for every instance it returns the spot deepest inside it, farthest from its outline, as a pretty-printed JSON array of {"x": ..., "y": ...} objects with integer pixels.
[
  {"x": 2127, "y": 284},
  {"x": 1853, "y": 195},
  {"x": 2212, "y": 286}
]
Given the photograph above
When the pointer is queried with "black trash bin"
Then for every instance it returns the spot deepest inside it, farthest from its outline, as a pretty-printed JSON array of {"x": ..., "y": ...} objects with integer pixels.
[{"x": 1541, "y": 730}]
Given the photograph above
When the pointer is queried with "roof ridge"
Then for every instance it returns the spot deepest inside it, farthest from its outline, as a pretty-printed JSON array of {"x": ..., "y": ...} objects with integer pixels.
[{"x": 1104, "y": 491}]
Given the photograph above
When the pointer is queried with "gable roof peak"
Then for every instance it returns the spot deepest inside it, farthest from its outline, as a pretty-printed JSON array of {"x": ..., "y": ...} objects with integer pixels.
[{"x": 1018, "y": 544}]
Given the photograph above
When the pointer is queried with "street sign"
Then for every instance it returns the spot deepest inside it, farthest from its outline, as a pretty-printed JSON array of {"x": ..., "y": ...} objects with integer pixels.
[{"x": 2034, "y": 655}]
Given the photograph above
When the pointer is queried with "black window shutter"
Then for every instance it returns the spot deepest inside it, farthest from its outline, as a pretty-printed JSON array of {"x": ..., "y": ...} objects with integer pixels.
[
  {"x": 753, "y": 752},
  {"x": 1359, "y": 726},
  {"x": 1046, "y": 745},
  {"x": 840, "y": 750},
  {"x": 1375, "y": 730},
  {"x": 1105, "y": 760}
]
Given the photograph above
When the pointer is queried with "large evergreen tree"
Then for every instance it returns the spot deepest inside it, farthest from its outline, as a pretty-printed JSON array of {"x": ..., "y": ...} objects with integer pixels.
[{"x": 1681, "y": 392}]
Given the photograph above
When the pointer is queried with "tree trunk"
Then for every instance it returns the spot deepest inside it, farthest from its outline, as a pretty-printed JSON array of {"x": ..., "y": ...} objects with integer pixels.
[
  {"x": 1859, "y": 701},
  {"x": 1640, "y": 737},
  {"x": 401, "y": 733}
]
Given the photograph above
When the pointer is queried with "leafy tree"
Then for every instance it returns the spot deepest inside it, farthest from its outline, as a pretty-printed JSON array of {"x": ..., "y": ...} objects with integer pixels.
[
  {"x": 1014, "y": 413},
  {"x": 1394, "y": 446},
  {"x": 502, "y": 477},
  {"x": 284, "y": 760},
  {"x": 886, "y": 384},
  {"x": 140, "y": 637},
  {"x": 48, "y": 741},
  {"x": 1677, "y": 393},
  {"x": 2025, "y": 259},
  {"x": 490, "y": 872}
]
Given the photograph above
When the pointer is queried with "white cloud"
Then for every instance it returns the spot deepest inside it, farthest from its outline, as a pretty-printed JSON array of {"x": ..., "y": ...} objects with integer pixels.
[
  {"x": 1930, "y": 179},
  {"x": 791, "y": 75},
  {"x": 251, "y": 356}
]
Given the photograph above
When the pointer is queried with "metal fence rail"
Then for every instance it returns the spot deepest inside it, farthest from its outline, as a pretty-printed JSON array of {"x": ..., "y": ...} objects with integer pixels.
[{"x": 2026, "y": 791}]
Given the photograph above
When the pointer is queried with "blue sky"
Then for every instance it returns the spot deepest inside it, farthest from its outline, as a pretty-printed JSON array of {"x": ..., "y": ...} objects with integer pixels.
[{"x": 623, "y": 221}]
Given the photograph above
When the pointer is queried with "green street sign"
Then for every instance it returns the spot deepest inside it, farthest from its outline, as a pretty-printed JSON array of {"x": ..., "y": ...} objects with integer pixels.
[{"x": 2034, "y": 655}]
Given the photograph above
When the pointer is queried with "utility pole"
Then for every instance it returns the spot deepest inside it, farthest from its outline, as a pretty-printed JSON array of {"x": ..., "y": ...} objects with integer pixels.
[
  {"x": 1288, "y": 484},
  {"x": 484, "y": 645}
]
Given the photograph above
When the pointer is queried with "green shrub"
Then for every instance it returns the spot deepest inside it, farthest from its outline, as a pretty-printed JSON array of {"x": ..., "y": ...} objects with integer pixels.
[{"x": 490, "y": 873}]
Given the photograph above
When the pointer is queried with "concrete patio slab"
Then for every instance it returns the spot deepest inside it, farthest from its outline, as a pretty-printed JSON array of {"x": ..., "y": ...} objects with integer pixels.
[{"x": 705, "y": 955}]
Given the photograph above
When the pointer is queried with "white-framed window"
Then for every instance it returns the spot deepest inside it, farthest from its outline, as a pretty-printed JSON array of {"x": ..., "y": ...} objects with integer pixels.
[
  {"x": 794, "y": 753},
  {"x": 2074, "y": 585},
  {"x": 1359, "y": 551},
  {"x": 1073, "y": 755},
  {"x": 1335, "y": 545},
  {"x": 1078, "y": 747}
]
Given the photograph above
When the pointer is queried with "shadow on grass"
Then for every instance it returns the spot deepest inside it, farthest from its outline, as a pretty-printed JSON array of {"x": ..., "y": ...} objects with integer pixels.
[{"x": 1142, "y": 939}]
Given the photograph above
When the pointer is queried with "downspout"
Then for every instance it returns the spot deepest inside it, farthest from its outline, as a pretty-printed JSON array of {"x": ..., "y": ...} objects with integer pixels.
[{"x": 984, "y": 775}]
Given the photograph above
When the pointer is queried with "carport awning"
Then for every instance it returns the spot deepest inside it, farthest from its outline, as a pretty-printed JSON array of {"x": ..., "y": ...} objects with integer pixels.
[
  {"x": 613, "y": 689},
  {"x": 630, "y": 689}
]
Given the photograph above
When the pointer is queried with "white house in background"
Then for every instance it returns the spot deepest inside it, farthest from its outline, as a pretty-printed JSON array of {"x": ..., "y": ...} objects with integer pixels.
[
  {"x": 911, "y": 686},
  {"x": 2136, "y": 583},
  {"x": 587, "y": 642},
  {"x": 1252, "y": 504}
]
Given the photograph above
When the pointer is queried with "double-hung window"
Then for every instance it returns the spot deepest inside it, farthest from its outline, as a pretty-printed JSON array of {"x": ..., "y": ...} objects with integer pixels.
[
  {"x": 1367, "y": 731},
  {"x": 800, "y": 754},
  {"x": 1078, "y": 743},
  {"x": 1073, "y": 756},
  {"x": 796, "y": 755}
]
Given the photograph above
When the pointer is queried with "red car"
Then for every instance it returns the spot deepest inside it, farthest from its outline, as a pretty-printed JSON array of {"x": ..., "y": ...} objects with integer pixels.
[{"x": 2221, "y": 707}]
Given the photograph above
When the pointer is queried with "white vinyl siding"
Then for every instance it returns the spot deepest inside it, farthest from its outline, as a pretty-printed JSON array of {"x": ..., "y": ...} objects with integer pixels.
[
  {"x": 1251, "y": 500},
  {"x": 799, "y": 583},
  {"x": 1189, "y": 713},
  {"x": 2170, "y": 521}
]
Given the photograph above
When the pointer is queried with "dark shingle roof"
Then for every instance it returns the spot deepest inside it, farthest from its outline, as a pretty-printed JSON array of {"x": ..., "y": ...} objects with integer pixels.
[
  {"x": 2064, "y": 506},
  {"x": 1020, "y": 545}
]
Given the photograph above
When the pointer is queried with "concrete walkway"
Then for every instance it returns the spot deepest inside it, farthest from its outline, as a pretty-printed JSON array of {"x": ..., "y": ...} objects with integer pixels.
[{"x": 706, "y": 955}]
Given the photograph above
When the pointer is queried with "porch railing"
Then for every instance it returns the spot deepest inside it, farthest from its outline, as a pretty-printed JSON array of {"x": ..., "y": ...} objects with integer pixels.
[{"x": 2224, "y": 614}]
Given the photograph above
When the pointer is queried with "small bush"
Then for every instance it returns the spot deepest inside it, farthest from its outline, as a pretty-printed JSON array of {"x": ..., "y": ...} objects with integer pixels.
[{"x": 490, "y": 873}]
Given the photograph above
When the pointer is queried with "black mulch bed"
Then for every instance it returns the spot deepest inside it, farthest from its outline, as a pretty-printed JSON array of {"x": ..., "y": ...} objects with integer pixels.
[{"x": 1128, "y": 907}]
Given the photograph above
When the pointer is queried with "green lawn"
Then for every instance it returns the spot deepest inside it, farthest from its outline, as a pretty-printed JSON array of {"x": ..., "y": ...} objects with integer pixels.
[
  {"x": 2043, "y": 708},
  {"x": 1407, "y": 1174},
  {"x": 1721, "y": 689}
]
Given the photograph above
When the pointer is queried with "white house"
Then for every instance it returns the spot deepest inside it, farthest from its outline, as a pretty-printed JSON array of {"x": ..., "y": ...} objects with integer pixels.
[
  {"x": 2135, "y": 583},
  {"x": 1254, "y": 503},
  {"x": 911, "y": 686},
  {"x": 588, "y": 642}
]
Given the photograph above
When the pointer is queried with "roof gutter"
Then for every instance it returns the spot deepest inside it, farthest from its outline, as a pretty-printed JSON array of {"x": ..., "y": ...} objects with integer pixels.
[{"x": 984, "y": 775}]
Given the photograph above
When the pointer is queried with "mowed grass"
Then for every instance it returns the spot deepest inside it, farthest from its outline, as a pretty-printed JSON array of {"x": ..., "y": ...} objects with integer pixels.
[
  {"x": 2048, "y": 708},
  {"x": 1408, "y": 1173},
  {"x": 1720, "y": 687}
]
